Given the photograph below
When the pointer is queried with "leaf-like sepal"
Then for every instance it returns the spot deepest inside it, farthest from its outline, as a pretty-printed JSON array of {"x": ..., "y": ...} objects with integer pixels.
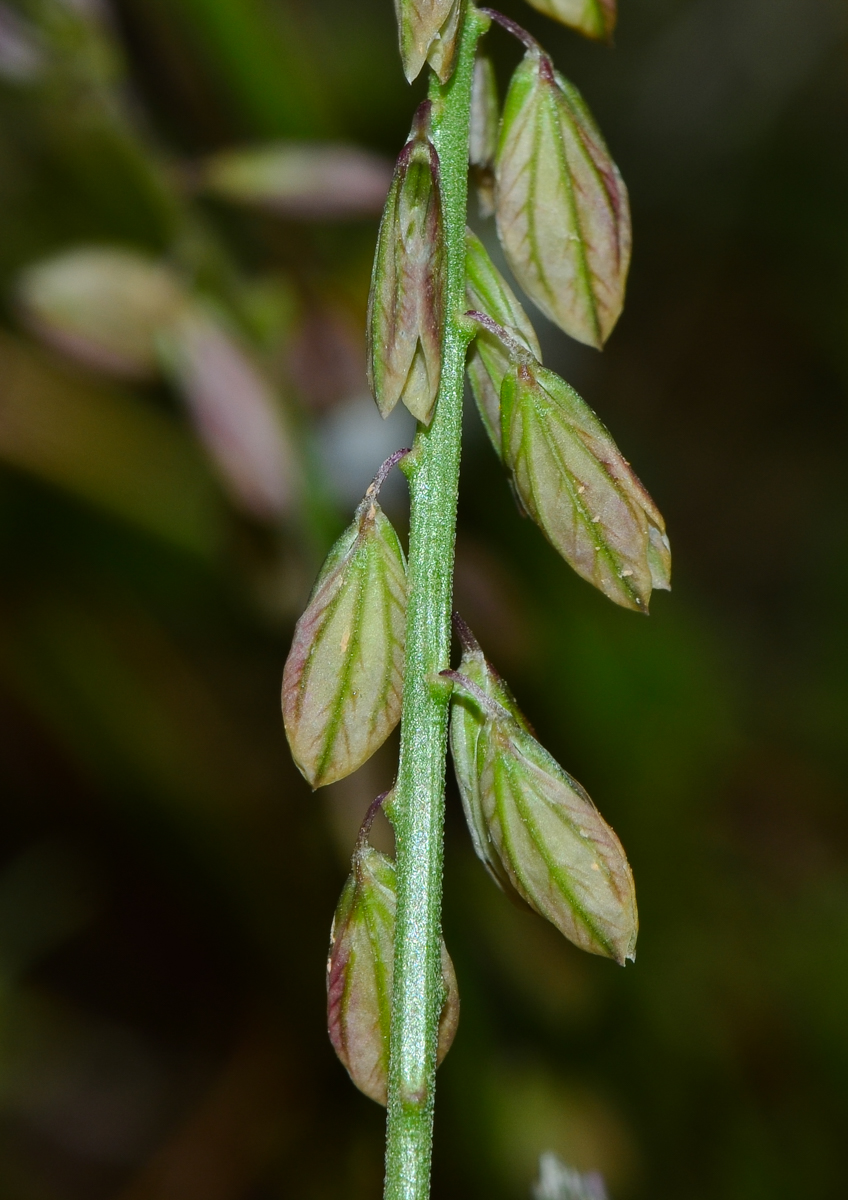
[
  {"x": 562, "y": 209},
  {"x": 487, "y": 291},
  {"x": 420, "y": 24},
  {"x": 533, "y": 826},
  {"x": 594, "y": 18},
  {"x": 360, "y": 970},
  {"x": 575, "y": 483},
  {"x": 343, "y": 677},
  {"x": 406, "y": 304}
]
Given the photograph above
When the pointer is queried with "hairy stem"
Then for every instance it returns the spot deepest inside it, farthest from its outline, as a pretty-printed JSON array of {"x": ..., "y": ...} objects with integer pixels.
[{"x": 418, "y": 811}]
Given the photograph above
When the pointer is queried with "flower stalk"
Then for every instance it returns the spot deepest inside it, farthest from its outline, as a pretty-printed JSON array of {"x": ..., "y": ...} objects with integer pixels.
[{"x": 432, "y": 470}]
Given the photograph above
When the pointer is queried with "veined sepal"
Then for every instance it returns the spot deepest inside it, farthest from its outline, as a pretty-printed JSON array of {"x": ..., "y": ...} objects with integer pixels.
[
  {"x": 406, "y": 303},
  {"x": 360, "y": 970},
  {"x": 532, "y": 825},
  {"x": 343, "y": 678},
  {"x": 562, "y": 208},
  {"x": 577, "y": 486},
  {"x": 489, "y": 359}
]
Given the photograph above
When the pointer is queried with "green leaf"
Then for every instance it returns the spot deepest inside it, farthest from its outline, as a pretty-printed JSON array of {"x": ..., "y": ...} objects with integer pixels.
[
  {"x": 594, "y": 18},
  {"x": 420, "y": 24},
  {"x": 573, "y": 480},
  {"x": 360, "y": 971},
  {"x": 406, "y": 304},
  {"x": 344, "y": 674},
  {"x": 562, "y": 209},
  {"x": 533, "y": 826},
  {"x": 487, "y": 291}
]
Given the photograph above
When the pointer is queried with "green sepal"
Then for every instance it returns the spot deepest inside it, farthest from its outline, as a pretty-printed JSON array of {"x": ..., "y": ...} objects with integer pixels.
[
  {"x": 406, "y": 302},
  {"x": 360, "y": 970},
  {"x": 574, "y": 482},
  {"x": 562, "y": 209},
  {"x": 487, "y": 291},
  {"x": 533, "y": 825},
  {"x": 343, "y": 678},
  {"x": 594, "y": 18},
  {"x": 442, "y": 53}
]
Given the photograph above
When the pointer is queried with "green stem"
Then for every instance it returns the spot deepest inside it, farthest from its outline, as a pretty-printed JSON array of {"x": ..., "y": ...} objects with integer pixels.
[{"x": 418, "y": 809}]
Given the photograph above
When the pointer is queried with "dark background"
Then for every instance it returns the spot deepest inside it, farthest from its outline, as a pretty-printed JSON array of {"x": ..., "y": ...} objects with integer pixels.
[{"x": 168, "y": 880}]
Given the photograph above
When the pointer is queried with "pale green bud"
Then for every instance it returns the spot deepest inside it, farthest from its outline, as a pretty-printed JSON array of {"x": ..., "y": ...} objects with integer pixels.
[
  {"x": 594, "y": 18},
  {"x": 533, "y": 826},
  {"x": 406, "y": 304},
  {"x": 562, "y": 209},
  {"x": 576, "y": 485},
  {"x": 343, "y": 677},
  {"x": 487, "y": 292},
  {"x": 483, "y": 140},
  {"x": 360, "y": 971},
  {"x": 421, "y": 23}
]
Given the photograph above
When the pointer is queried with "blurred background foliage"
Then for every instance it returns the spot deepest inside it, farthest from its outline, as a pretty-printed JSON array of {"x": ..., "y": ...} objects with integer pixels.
[{"x": 184, "y": 427}]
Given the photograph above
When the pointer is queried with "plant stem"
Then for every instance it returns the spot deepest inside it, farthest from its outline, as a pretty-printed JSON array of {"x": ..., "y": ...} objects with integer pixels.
[{"x": 418, "y": 809}]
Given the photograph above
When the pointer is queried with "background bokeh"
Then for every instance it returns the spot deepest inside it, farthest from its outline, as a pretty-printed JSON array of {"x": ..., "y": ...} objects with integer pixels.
[{"x": 167, "y": 879}]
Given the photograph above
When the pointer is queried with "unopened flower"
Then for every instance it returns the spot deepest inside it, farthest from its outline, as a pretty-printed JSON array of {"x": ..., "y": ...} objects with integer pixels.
[
  {"x": 360, "y": 971},
  {"x": 487, "y": 292},
  {"x": 483, "y": 140},
  {"x": 344, "y": 674},
  {"x": 562, "y": 209},
  {"x": 534, "y": 826},
  {"x": 574, "y": 482},
  {"x": 406, "y": 305},
  {"x": 423, "y": 25}
]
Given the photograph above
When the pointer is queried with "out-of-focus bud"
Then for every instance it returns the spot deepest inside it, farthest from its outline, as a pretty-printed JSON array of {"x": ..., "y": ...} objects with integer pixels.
[
  {"x": 360, "y": 970},
  {"x": 557, "y": 1181},
  {"x": 300, "y": 180},
  {"x": 483, "y": 142},
  {"x": 420, "y": 24},
  {"x": 236, "y": 414},
  {"x": 406, "y": 305},
  {"x": 534, "y": 826},
  {"x": 574, "y": 482},
  {"x": 562, "y": 209},
  {"x": 487, "y": 292},
  {"x": 594, "y": 18},
  {"x": 344, "y": 674},
  {"x": 103, "y": 306}
]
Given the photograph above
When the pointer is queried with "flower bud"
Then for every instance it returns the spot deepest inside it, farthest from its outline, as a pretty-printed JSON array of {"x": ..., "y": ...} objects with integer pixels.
[
  {"x": 574, "y": 482},
  {"x": 483, "y": 141},
  {"x": 406, "y": 305},
  {"x": 562, "y": 209},
  {"x": 344, "y": 674},
  {"x": 487, "y": 291},
  {"x": 594, "y": 18},
  {"x": 102, "y": 306},
  {"x": 443, "y": 48},
  {"x": 360, "y": 971},
  {"x": 533, "y": 826},
  {"x": 421, "y": 23}
]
